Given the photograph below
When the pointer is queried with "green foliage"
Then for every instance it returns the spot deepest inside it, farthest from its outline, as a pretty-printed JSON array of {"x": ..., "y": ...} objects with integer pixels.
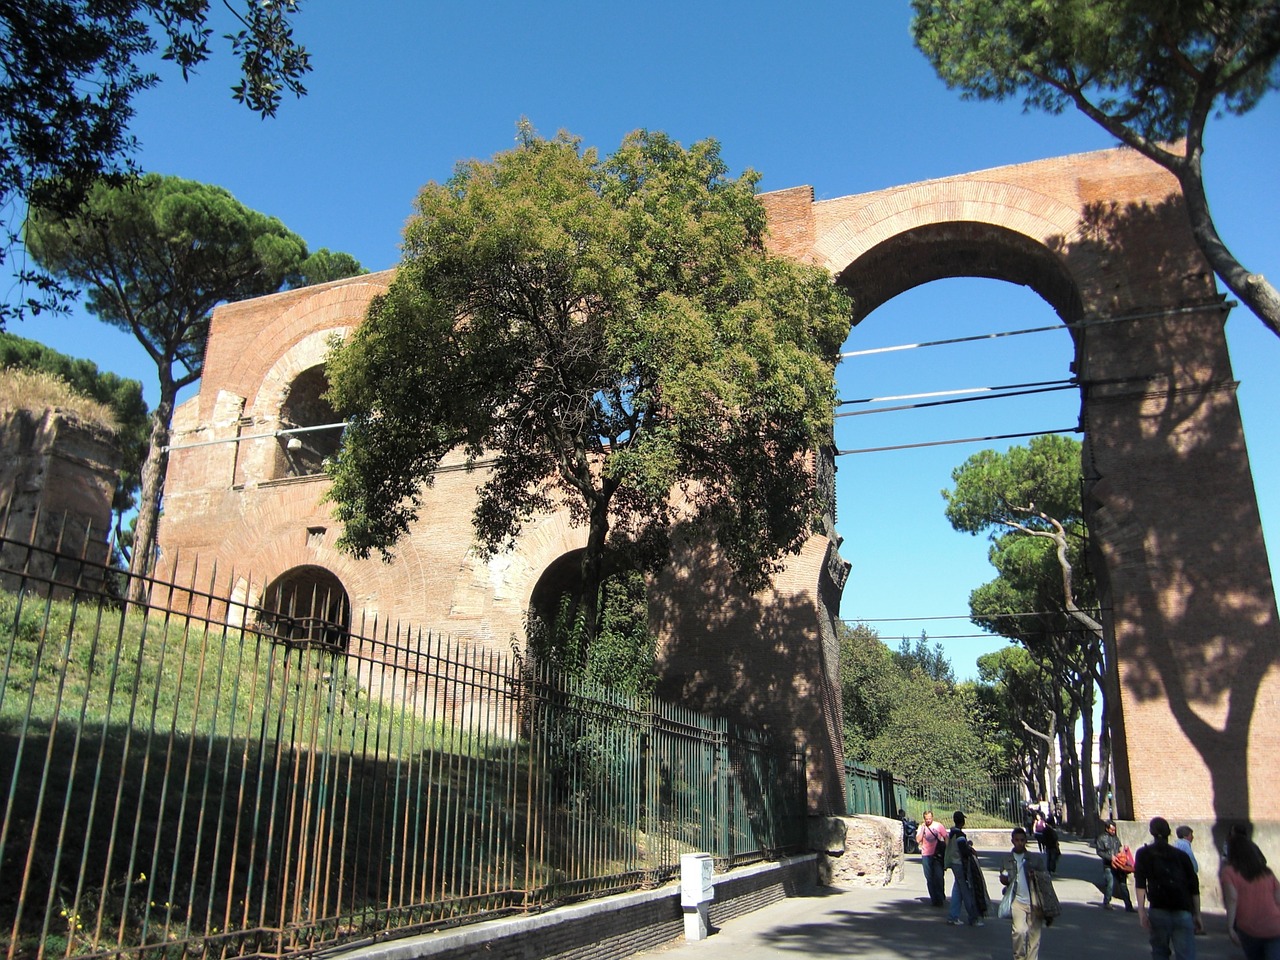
[
  {"x": 325, "y": 265},
  {"x": 621, "y": 658},
  {"x": 899, "y": 718},
  {"x": 1147, "y": 64},
  {"x": 71, "y": 71},
  {"x": 123, "y": 396},
  {"x": 933, "y": 663},
  {"x": 1026, "y": 487},
  {"x": 156, "y": 256},
  {"x": 601, "y": 332},
  {"x": 1149, "y": 72},
  {"x": 1028, "y": 500},
  {"x": 1014, "y": 688}
]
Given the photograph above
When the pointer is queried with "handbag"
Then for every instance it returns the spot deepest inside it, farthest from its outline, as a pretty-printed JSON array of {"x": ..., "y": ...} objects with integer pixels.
[
  {"x": 939, "y": 848},
  {"x": 1123, "y": 860},
  {"x": 1005, "y": 910}
]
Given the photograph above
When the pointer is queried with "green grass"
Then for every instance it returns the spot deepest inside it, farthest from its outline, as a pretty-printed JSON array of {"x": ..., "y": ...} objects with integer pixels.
[
  {"x": 94, "y": 665},
  {"x": 171, "y": 773}
]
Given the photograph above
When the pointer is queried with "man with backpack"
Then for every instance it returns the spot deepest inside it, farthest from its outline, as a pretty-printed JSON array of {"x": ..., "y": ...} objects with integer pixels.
[
  {"x": 1168, "y": 895},
  {"x": 961, "y": 861}
]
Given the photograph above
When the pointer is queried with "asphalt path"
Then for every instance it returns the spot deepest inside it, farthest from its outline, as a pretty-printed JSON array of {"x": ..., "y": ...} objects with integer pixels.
[{"x": 886, "y": 923}]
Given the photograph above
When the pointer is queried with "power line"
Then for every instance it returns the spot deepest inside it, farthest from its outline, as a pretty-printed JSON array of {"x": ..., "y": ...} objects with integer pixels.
[
  {"x": 943, "y": 443},
  {"x": 949, "y": 393},
  {"x": 1082, "y": 325},
  {"x": 962, "y": 616},
  {"x": 1070, "y": 385}
]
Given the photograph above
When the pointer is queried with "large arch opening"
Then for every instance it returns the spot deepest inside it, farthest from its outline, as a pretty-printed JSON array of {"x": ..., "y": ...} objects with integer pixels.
[
  {"x": 940, "y": 371},
  {"x": 891, "y": 494},
  {"x": 307, "y": 606},
  {"x": 303, "y": 448}
]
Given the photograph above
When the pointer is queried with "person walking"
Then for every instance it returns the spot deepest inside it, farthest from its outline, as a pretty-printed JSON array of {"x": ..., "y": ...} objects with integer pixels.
[
  {"x": 1017, "y": 868},
  {"x": 1052, "y": 847},
  {"x": 1113, "y": 877},
  {"x": 1251, "y": 895},
  {"x": 931, "y": 838},
  {"x": 1185, "y": 836},
  {"x": 1168, "y": 895},
  {"x": 958, "y": 861}
]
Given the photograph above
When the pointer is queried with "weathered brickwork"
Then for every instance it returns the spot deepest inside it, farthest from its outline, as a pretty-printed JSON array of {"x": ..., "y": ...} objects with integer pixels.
[
  {"x": 1101, "y": 236},
  {"x": 57, "y": 479}
]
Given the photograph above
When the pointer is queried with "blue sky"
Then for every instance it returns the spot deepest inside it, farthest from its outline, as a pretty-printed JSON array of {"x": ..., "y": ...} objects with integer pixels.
[{"x": 830, "y": 94}]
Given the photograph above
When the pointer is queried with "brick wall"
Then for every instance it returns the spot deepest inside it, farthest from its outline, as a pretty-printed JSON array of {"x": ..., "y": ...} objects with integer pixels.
[{"x": 1100, "y": 236}]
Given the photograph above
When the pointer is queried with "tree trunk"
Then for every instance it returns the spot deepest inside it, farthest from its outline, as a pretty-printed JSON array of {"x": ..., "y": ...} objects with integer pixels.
[
  {"x": 152, "y": 489},
  {"x": 1252, "y": 288},
  {"x": 1088, "y": 789},
  {"x": 593, "y": 570},
  {"x": 1071, "y": 774}
]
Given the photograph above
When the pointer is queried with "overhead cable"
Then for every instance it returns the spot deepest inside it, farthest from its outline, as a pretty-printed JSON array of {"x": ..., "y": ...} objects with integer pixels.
[
  {"x": 948, "y": 393},
  {"x": 1067, "y": 385},
  {"x": 943, "y": 443},
  {"x": 1081, "y": 325}
]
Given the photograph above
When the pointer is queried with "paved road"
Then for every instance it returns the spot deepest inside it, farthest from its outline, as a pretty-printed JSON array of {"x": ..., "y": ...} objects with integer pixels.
[{"x": 888, "y": 923}]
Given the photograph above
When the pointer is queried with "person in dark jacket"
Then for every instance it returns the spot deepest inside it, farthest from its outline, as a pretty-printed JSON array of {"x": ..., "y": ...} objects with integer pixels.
[
  {"x": 1168, "y": 895},
  {"x": 1052, "y": 847},
  {"x": 1113, "y": 879}
]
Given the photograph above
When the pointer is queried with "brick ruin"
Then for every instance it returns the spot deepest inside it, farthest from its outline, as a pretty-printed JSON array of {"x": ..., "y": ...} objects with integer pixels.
[
  {"x": 57, "y": 479},
  {"x": 1191, "y": 613}
]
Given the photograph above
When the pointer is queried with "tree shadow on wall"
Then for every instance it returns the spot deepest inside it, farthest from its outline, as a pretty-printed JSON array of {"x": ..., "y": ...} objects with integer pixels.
[
  {"x": 761, "y": 660},
  {"x": 1168, "y": 490}
]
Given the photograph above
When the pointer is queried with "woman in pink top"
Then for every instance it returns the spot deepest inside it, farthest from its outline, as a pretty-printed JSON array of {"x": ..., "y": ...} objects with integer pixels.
[{"x": 1252, "y": 896}]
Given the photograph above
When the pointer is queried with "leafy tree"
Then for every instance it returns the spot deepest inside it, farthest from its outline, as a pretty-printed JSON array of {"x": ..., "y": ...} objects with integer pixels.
[
  {"x": 1149, "y": 72},
  {"x": 123, "y": 396},
  {"x": 601, "y": 333},
  {"x": 1028, "y": 500},
  {"x": 931, "y": 661},
  {"x": 156, "y": 257},
  {"x": 325, "y": 265},
  {"x": 1021, "y": 704},
  {"x": 899, "y": 718},
  {"x": 69, "y": 70}
]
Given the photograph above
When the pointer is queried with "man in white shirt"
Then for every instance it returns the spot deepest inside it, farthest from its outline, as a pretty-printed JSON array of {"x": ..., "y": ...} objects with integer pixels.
[{"x": 1028, "y": 920}]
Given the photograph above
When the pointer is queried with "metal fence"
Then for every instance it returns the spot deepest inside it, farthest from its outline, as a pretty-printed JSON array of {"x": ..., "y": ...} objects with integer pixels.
[
  {"x": 986, "y": 802},
  {"x": 872, "y": 790},
  {"x": 198, "y": 776}
]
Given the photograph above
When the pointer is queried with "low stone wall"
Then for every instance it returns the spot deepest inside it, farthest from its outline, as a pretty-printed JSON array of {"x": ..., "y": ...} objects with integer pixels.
[
  {"x": 869, "y": 853},
  {"x": 608, "y": 929}
]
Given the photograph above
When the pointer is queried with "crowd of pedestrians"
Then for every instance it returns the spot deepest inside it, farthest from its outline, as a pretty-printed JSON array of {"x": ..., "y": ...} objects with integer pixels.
[{"x": 1165, "y": 878}]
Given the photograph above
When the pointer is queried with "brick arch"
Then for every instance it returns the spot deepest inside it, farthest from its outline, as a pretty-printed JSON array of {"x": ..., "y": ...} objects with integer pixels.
[
  {"x": 1189, "y": 604},
  {"x": 244, "y": 362},
  {"x": 504, "y": 584},
  {"x": 310, "y": 351},
  {"x": 1102, "y": 237},
  {"x": 1043, "y": 219},
  {"x": 939, "y": 251}
]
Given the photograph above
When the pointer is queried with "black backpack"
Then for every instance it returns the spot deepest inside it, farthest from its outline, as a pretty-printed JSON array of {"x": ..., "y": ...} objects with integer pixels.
[{"x": 1166, "y": 879}]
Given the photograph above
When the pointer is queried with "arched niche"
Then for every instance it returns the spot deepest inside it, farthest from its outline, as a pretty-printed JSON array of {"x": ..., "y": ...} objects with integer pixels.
[{"x": 307, "y": 606}]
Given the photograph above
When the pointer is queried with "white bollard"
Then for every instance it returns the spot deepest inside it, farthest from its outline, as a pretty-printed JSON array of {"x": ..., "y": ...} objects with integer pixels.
[{"x": 697, "y": 890}]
